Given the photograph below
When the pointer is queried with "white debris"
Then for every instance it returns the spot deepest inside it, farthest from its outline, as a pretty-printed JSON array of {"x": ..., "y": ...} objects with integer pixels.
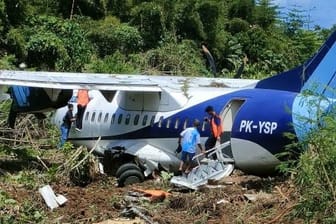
[{"x": 50, "y": 198}]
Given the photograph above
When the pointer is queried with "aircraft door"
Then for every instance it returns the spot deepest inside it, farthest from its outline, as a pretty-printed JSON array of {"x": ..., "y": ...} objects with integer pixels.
[{"x": 228, "y": 115}]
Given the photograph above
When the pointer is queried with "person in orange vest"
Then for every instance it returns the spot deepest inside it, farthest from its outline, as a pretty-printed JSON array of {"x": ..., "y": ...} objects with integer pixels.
[
  {"x": 215, "y": 128},
  {"x": 82, "y": 101}
]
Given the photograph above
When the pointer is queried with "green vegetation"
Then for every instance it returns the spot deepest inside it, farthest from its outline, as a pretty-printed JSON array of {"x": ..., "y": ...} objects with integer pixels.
[
  {"x": 112, "y": 36},
  {"x": 155, "y": 37},
  {"x": 12, "y": 212},
  {"x": 313, "y": 173}
]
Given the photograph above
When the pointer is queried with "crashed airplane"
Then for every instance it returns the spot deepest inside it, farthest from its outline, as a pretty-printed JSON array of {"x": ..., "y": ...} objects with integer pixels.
[{"x": 138, "y": 118}]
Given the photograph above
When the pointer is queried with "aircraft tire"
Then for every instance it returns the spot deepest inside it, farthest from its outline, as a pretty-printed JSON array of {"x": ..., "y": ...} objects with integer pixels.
[
  {"x": 130, "y": 177},
  {"x": 125, "y": 167}
]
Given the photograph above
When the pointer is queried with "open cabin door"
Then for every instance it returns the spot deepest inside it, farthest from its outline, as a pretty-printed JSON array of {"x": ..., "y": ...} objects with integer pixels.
[{"x": 228, "y": 115}]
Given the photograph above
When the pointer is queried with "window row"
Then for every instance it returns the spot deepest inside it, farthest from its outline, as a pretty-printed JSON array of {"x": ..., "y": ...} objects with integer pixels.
[{"x": 168, "y": 123}]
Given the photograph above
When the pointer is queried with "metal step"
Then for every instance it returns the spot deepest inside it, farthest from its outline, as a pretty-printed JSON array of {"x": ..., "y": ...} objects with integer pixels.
[{"x": 208, "y": 169}]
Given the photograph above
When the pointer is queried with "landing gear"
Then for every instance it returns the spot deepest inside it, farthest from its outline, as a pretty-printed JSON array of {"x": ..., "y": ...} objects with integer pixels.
[
  {"x": 122, "y": 166},
  {"x": 129, "y": 173},
  {"x": 125, "y": 167}
]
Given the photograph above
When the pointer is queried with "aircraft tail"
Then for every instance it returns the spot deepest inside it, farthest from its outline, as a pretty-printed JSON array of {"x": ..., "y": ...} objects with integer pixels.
[{"x": 317, "y": 75}]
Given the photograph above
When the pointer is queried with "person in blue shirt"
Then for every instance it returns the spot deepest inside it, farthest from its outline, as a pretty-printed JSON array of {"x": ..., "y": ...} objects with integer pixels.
[{"x": 189, "y": 140}]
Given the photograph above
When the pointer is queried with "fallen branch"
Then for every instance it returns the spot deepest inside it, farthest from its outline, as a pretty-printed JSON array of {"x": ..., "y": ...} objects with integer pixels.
[
  {"x": 282, "y": 194},
  {"x": 41, "y": 161},
  {"x": 283, "y": 213},
  {"x": 86, "y": 156}
]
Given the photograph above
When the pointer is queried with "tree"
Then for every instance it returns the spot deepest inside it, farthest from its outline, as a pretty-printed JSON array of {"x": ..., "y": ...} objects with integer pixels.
[
  {"x": 265, "y": 14},
  {"x": 95, "y": 9},
  {"x": 243, "y": 9},
  {"x": 57, "y": 44},
  {"x": 17, "y": 11},
  {"x": 110, "y": 36}
]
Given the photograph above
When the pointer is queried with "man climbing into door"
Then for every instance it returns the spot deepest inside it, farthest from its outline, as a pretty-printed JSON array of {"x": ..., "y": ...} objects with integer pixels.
[
  {"x": 215, "y": 128},
  {"x": 189, "y": 140},
  {"x": 82, "y": 101}
]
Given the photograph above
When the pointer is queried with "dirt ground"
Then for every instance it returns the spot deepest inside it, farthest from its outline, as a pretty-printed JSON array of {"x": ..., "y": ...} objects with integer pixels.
[
  {"x": 236, "y": 199},
  {"x": 239, "y": 198}
]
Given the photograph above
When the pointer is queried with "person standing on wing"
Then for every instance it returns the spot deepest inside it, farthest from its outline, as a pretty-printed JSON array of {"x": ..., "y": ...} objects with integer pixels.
[
  {"x": 215, "y": 128},
  {"x": 190, "y": 138},
  {"x": 82, "y": 101}
]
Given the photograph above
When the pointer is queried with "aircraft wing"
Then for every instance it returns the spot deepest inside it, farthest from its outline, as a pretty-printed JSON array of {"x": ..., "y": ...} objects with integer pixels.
[{"x": 58, "y": 80}]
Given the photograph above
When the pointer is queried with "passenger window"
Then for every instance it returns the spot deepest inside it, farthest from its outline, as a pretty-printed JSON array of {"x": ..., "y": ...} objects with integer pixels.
[
  {"x": 136, "y": 119},
  {"x": 204, "y": 125},
  {"x": 120, "y": 118},
  {"x": 106, "y": 117},
  {"x": 113, "y": 118},
  {"x": 100, "y": 116},
  {"x": 144, "y": 121},
  {"x": 128, "y": 118},
  {"x": 93, "y": 116},
  {"x": 185, "y": 125},
  {"x": 160, "y": 122},
  {"x": 177, "y": 122},
  {"x": 168, "y": 123},
  {"x": 152, "y": 120},
  {"x": 86, "y": 116}
]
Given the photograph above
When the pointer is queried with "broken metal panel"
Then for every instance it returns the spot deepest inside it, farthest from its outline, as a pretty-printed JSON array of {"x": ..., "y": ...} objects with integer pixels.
[{"x": 50, "y": 198}]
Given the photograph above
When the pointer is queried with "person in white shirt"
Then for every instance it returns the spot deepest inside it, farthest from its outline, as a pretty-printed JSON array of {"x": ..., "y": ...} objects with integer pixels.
[{"x": 190, "y": 138}]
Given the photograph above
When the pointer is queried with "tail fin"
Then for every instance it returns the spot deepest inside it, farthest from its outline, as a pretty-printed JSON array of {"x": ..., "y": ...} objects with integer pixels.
[{"x": 318, "y": 74}]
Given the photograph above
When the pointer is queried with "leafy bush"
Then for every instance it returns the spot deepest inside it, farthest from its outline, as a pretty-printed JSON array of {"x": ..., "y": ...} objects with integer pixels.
[
  {"x": 12, "y": 212},
  {"x": 116, "y": 63},
  {"x": 7, "y": 62},
  {"x": 44, "y": 50},
  {"x": 237, "y": 25},
  {"x": 50, "y": 43},
  {"x": 174, "y": 58},
  {"x": 109, "y": 38},
  {"x": 17, "y": 43},
  {"x": 314, "y": 172}
]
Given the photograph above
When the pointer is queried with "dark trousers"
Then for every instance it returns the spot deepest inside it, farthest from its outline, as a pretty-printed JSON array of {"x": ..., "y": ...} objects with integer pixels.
[
  {"x": 11, "y": 117},
  {"x": 80, "y": 114},
  {"x": 209, "y": 144}
]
